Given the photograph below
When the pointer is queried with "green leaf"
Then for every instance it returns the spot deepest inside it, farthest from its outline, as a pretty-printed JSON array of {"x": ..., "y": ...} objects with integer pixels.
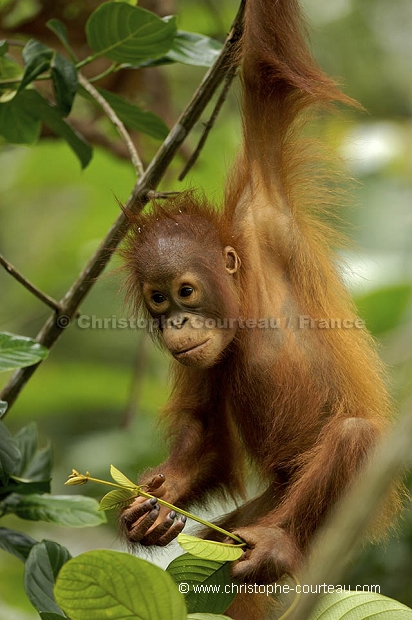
[
  {"x": 3, "y": 407},
  {"x": 24, "y": 487},
  {"x": 118, "y": 586},
  {"x": 359, "y": 605},
  {"x": 17, "y": 123},
  {"x": 35, "y": 465},
  {"x": 209, "y": 549},
  {"x": 117, "y": 499},
  {"x": 19, "y": 351},
  {"x": 9, "y": 454},
  {"x": 9, "y": 70},
  {"x": 189, "y": 48},
  {"x": 64, "y": 76},
  {"x": 42, "y": 567},
  {"x": 206, "y": 581},
  {"x": 37, "y": 58},
  {"x": 136, "y": 118},
  {"x": 128, "y": 34},
  {"x": 383, "y": 309},
  {"x": 60, "y": 30},
  {"x": 37, "y": 108},
  {"x": 50, "y": 616},
  {"x": 120, "y": 478},
  {"x": 16, "y": 543},
  {"x": 4, "y": 47},
  {"x": 68, "y": 510}
]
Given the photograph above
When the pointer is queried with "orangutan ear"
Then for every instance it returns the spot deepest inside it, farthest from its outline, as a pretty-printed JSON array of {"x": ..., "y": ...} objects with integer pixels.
[{"x": 232, "y": 260}]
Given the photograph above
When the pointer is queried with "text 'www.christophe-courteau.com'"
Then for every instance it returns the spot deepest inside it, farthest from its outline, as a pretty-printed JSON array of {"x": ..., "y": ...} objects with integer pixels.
[{"x": 273, "y": 589}]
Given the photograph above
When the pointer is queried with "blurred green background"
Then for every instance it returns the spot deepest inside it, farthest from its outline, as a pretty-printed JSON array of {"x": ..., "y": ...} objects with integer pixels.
[{"x": 96, "y": 397}]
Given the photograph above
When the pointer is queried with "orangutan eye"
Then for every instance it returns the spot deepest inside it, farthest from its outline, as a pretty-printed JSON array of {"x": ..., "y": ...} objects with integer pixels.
[
  {"x": 158, "y": 298},
  {"x": 186, "y": 291}
]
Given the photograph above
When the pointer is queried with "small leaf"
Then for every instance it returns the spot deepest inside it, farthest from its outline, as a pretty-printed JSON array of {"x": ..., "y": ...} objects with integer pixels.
[
  {"x": 64, "y": 76},
  {"x": 128, "y": 34},
  {"x": 16, "y": 543},
  {"x": 9, "y": 454},
  {"x": 189, "y": 48},
  {"x": 36, "y": 108},
  {"x": 60, "y": 30},
  {"x": 359, "y": 605},
  {"x": 209, "y": 549},
  {"x": 108, "y": 585},
  {"x": 136, "y": 118},
  {"x": 9, "y": 70},
  {"x": 69, "y": 510},
  {"x": 120, "y": 478},
  {"x": 206, "y": 581},
  {"x": 3, "y": 407},
  {"x": 42, "y": 567},
  {"x": 19, "y": 351},
  {"x": 4, "y": 47},
  {"x": 37, "y": 57},
  {"x": 117, "y": 499}
]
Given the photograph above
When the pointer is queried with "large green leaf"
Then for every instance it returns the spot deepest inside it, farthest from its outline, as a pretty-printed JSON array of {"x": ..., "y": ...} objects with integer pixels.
[
  {"x": 136, "y": 118},
  {"x": 20, "y": 123},
  {"x": 205, "y": 583},
  {"x": 16, "y": 543},
  {"x": 19, "y": 351},
  {"x": 35, "y": 465},
  {"x": 64, "y": 76},
  {"x": 68, "y": 510},
  {"x": 383, "y": 309},
  {"x": 37, "y": 58},
  {"x": 209, "y": 549},
  {"x": 42, "y": 567},
  {"x": 108, "y": 585},
  {"x": 9, "y": 454},
  {"x": 189, "y": 48},
  {"x": 128, "y": 34},
  {"x": 17, "y": 123},
  {"x": 9, "y": 69},
  {"x": 359, "y": 606},
  {"x": 23, "y": 487}
]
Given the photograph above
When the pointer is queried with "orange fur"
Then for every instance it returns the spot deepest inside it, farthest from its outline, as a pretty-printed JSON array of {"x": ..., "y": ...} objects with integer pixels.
[{"x": 306, "y": 404}]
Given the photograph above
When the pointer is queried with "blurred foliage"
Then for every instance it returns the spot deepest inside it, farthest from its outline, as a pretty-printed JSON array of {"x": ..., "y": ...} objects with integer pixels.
[{"x": 90, "y": 398}]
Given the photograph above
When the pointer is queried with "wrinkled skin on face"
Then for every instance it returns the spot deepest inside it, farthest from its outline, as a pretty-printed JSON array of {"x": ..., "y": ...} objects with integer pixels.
[{"x": 195, "y": 302}]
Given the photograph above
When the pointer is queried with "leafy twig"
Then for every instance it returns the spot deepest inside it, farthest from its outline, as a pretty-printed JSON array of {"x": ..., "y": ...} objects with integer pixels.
[
  {"x": 78, "y": 478},
  {"x": 51, "y": 330},
  {"x": 28, "y": 285},
  {"x": 116, "y": 122}
]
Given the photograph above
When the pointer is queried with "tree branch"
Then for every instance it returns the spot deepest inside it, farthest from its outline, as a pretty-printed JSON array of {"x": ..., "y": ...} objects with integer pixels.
[
  {"x": 51, "y": 330},
  {"x": 28, "y": 285}
]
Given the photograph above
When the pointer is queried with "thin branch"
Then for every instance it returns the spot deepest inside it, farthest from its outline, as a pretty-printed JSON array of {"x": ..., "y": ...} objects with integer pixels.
[
  {"x": 116, "y": 122},
  {"x": 222, "y": 98},
  {"x": 28, "y": 285},
  {"x": 51, "y": 330},
  {"x": 340, "y": 538}
]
